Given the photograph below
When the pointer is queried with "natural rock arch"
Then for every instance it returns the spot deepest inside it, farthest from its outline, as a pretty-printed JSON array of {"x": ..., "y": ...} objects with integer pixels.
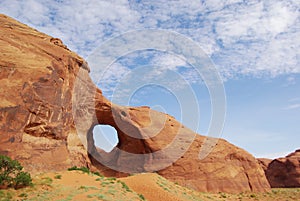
[
  {"x": 47, "y": 125},
  {"x": 105, "y": 137}
]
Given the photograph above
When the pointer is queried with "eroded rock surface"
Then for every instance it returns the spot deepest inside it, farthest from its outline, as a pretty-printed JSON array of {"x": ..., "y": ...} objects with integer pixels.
[
  {"x": 49, "y": 106},
  {"x": 264, "y": 163},
  {"x": 284, "y": 172},
  {"x": 37, "y": 75}
]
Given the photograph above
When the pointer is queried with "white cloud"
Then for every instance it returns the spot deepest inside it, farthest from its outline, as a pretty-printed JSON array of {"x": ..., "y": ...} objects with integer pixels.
[
  {"x": 294, "y": 103},
  {"x": 273, "y": 155},
  {"x": 291, "y": 80},
  {"x": 144, "y": 67},
  {"x": 257, "y": 38},
  {"x": 81, "y": 24},
  {"x": 292, "y": 106},
  {"x": 168, "y": 61},
  {"x": 165, "y": 62},
  {"x": 294, "y": 99},
  {"x": 109, "y": 79},
  {"x": 259, "y": 20}
]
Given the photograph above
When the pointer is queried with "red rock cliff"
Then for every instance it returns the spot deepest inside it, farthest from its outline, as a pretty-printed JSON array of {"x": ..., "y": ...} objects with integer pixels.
[
  {"x": 49, "y": 106},
  {"x": 284, "y": 172}
]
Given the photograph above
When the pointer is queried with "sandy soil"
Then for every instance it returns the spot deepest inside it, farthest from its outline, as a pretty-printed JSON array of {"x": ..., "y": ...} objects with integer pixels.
[
  {"x": 147, "y": 184},
  {"x": 76, "y": 185}
]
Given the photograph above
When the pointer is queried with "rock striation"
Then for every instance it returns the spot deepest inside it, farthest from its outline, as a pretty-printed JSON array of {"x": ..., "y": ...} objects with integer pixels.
[{"x": 49, "y": 106}]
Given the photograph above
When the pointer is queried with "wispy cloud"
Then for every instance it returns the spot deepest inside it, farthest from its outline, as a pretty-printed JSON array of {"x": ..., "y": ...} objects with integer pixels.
[
  {"x": 255, "y": 38},
  {"x": 81, "y": 24},
  {"x": 273, "y": 155},
  {"x": 291, "y": 80},
  {"x": 109, "y": 79},
  {"x": 295, "y": 99},
  {"x": 141, "y": 68},
  {"x": 294, "y": 103},
  {"x": 292, "y": 106}
]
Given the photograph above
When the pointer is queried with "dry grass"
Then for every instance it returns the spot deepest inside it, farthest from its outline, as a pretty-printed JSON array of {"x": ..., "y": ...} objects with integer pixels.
[
  {"x": 155, "y": 187},
  {"x": 76, "y": 185}
]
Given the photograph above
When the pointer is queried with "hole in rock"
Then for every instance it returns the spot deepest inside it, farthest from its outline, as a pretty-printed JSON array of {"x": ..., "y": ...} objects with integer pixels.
[
  {"x": 124, "y": 113},
  {"x": 105, "y": 137}
]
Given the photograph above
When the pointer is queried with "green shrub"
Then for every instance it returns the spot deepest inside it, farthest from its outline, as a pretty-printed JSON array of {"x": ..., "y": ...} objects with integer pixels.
[
  {"x": 11, "y": 174},
  {"x": 57, "y": 176},
  {"x": 22, "y": 179},
  {"x": 83, "y": 169},
  {"x": 46, "y": 181},
  {"x": 98, "y": 174},
  {"x": 24, "y": 195},
  {"x": 111, "y": 178},
  {"x": 99, "y": 179},
  {"x": 141, "y": 197},
  {"x": 222, "y": 195},
  {"x": 125, "y": 187}
]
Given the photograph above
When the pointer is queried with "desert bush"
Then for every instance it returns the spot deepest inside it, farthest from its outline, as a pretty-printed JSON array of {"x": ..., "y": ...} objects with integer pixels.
[
  {"x": 98, "y": 174},
  {"x": 222, "y": 195},
  {"x": 111, "y": 178},
  {"x": 23, "y": 195},
  {"x": 141, "y": 197},
  {"x": 57, "y": 176},
  {"x": 22, "y": 179},
  {"x": 11, "y": 174},
  {"x": 47, "y": 181},
  {"x": 125, "y": 187},
  {"x": 83, "y": 169}
]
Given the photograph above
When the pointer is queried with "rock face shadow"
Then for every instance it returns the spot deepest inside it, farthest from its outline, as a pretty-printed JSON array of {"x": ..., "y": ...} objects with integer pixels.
[{"x": 283, "y": 172}]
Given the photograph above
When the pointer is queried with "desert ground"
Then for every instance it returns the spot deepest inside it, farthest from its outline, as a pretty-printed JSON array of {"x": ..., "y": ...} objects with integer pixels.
[{"x": 77, "y": 185}]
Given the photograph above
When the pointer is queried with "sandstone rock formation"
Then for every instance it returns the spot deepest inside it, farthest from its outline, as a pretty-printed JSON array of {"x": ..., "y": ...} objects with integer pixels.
[
  {"x": 49, "y": 106},
  {"x": 264, "y": 163},
  {"x": 284, "y": 172},
  {"x": 37, "y": 75}
]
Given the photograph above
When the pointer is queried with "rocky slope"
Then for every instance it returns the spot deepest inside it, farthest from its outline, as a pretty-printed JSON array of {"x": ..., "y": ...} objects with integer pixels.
[
  {"x": 283, "y": 172},
  {"x": 49, "y": 106}
]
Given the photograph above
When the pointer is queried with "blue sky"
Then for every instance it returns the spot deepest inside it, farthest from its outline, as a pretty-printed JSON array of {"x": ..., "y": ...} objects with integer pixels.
[{"x": 255, "y": 46}]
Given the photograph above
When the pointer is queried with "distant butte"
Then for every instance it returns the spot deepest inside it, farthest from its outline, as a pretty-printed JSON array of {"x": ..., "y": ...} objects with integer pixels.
[
  {"x": 46, "y": 88},
  {"x": 283, "y": 172}
]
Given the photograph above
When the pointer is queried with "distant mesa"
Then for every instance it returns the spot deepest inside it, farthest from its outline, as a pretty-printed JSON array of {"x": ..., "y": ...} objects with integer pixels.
[
  {"x": 46, "y": 88},
  {"x": 283, "y": 172}
]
